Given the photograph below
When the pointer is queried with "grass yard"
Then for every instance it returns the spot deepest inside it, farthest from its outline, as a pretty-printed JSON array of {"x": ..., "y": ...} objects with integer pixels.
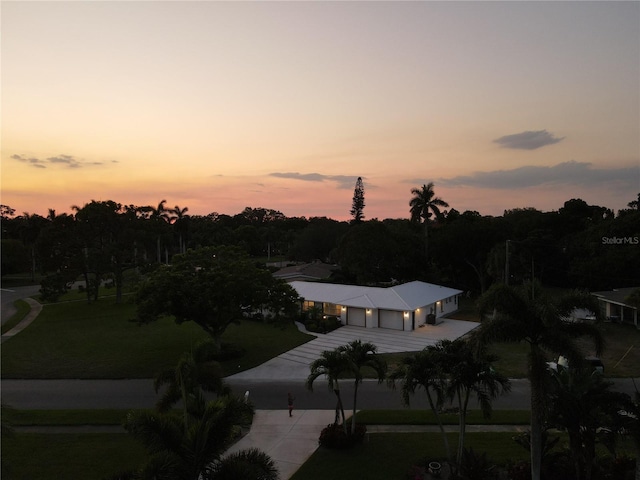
[
  {"x": 389, "y": 456},
  {"x": 97, "y": 340},
  {"x": 90, "y": 456},
  {"x": 426, "y": 417},
  {"x": 621, "y": 355},
  {"x": 19, "y": 418}
]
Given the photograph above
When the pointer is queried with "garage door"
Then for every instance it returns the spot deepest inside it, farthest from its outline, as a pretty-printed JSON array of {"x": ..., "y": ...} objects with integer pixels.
[
  {"x": 390, "y": 319},
  {"x": 356, "y": 317}
]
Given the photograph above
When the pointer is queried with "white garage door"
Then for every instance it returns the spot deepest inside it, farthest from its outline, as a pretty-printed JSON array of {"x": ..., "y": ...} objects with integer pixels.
[
  {"x": 390, "y": 319},
  {"x": 356, "y": 317}
]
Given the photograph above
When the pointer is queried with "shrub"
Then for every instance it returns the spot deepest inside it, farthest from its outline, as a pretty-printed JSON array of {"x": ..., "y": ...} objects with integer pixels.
[
  {"x": 519, "y": 471},
  {"x": 53, "y": 287},
  {"x": 416, "y": 473},
  {"x": 622, "y": 467},
  {"x": 229, "y": 351},
  {"x": 333, "y": 323},
  {"x": 333, "y": 436},
  {"x": 474, "y": 466},
  {"x": 324, "y": 325}
]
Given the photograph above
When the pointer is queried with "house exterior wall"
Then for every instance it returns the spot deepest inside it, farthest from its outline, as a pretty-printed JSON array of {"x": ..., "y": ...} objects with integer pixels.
[
  {"x": 421, "y": 315},
  {"x": 446, "y": 306}
]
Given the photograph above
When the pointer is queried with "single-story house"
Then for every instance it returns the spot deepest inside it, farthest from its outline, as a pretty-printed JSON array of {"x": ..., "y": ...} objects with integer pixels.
[
  {"x": 401, "y": 307},
  {"x": 615, "y": 306}
]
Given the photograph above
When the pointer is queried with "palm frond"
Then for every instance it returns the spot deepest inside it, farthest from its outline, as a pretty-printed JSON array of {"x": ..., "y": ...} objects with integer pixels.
[{"x": 251, "y": 464}]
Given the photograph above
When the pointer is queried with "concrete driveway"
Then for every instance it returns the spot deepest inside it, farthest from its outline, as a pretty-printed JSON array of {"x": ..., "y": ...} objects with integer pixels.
[{"x": 294, "y": 364}]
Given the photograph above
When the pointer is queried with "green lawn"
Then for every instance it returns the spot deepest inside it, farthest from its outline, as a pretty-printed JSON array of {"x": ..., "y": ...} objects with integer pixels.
[
  {"x": 426, "y": 417},
  {"x": 17, "y": 417},
  {"x": 621, "y": 355},
  {"x": 96, "y": 456},
  {"x": 89, "y": 456},
  {"x": 97, "y": 340},
  {"x": 389, "y": 456}
]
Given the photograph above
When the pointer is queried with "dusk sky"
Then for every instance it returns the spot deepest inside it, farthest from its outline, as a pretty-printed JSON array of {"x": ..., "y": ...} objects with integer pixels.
[{"x": 217, "y": 106}]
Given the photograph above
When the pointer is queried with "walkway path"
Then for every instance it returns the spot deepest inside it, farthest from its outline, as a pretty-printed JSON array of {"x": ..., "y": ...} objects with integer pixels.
[{"x": 26, "y": 321}]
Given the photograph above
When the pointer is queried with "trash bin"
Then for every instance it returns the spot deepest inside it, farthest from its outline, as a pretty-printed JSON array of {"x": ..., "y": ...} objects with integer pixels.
[{"x": 431, "y": 319}]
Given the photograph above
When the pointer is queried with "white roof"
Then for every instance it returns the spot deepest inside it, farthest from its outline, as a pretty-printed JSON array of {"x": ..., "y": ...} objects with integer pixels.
[{"x": 405, "y": 297}]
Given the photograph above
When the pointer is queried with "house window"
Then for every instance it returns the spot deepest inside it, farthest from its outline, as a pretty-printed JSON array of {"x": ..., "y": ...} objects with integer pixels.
[
  {"x": 331, "y": 309},
  {"x": 306, "y": 305}
]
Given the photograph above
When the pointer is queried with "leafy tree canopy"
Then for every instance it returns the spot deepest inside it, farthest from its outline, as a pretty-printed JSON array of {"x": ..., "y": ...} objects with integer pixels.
[{"x": 213, "y": 287}]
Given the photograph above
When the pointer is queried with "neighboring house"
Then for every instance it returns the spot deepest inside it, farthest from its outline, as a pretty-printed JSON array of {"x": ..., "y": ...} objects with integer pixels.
[
  {"x": 401, "y": 307},
  {"x": 615, "y": 307},
  {"x": 305, "y": 272}
]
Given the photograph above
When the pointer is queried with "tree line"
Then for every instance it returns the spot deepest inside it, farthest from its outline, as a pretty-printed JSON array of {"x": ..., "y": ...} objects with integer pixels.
[{"x": 579, "y": 245}]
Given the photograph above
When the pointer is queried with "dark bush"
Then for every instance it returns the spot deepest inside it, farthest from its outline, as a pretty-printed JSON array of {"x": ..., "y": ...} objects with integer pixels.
[
  {"x": 324, "y": 325},
  {"x": 53, "y": 287},
  {"x": 519, "y": 471},
  {"x": 620, "y": 468},
  {"x": 475, "y": 466},
  {"x": 229, "y": 351},
  {"x": 333, "y": 436},
  {"x": 333, "y": 323}
]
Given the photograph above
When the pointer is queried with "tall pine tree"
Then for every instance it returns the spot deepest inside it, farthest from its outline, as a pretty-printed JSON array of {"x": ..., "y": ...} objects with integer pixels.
[{"x": 358, "y": 202}]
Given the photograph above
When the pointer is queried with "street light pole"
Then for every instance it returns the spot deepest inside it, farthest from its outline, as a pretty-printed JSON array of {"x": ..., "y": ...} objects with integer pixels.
[{"x": 506, "y": 264}]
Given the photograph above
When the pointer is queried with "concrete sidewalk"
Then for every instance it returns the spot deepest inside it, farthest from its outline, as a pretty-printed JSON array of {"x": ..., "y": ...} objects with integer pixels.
[{"x": 289, "y": 441}]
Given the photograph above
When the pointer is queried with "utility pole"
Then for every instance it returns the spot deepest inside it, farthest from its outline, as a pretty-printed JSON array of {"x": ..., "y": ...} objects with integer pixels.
[{"x": 506, "y": 264}]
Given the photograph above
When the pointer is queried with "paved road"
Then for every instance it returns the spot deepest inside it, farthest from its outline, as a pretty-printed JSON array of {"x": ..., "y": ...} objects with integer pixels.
[
  {"x": 9, "y": 295},
  {"x": 269, "y": 395}
]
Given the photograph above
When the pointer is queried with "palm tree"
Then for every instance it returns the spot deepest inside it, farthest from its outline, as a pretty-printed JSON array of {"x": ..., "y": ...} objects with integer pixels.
[
  {"x": 332, "y": 364},
  {"x": 423, "y": 206},
  {"x": 180, "y": 221},
  {"x": 583, "y": 405},
  {"x": 193, "y": 448},
  {"x": 543, "y": 324},
  {"x": 631, "y": 421},
  {"x": 161, "y": 217},
  {"x": 247, "y": 464},
  {"x": 361, "y": 355},
  {"x": 468, "y": 372},
  {"x": 423, "y": 370},
  {"x": 196, "y": 372}
]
